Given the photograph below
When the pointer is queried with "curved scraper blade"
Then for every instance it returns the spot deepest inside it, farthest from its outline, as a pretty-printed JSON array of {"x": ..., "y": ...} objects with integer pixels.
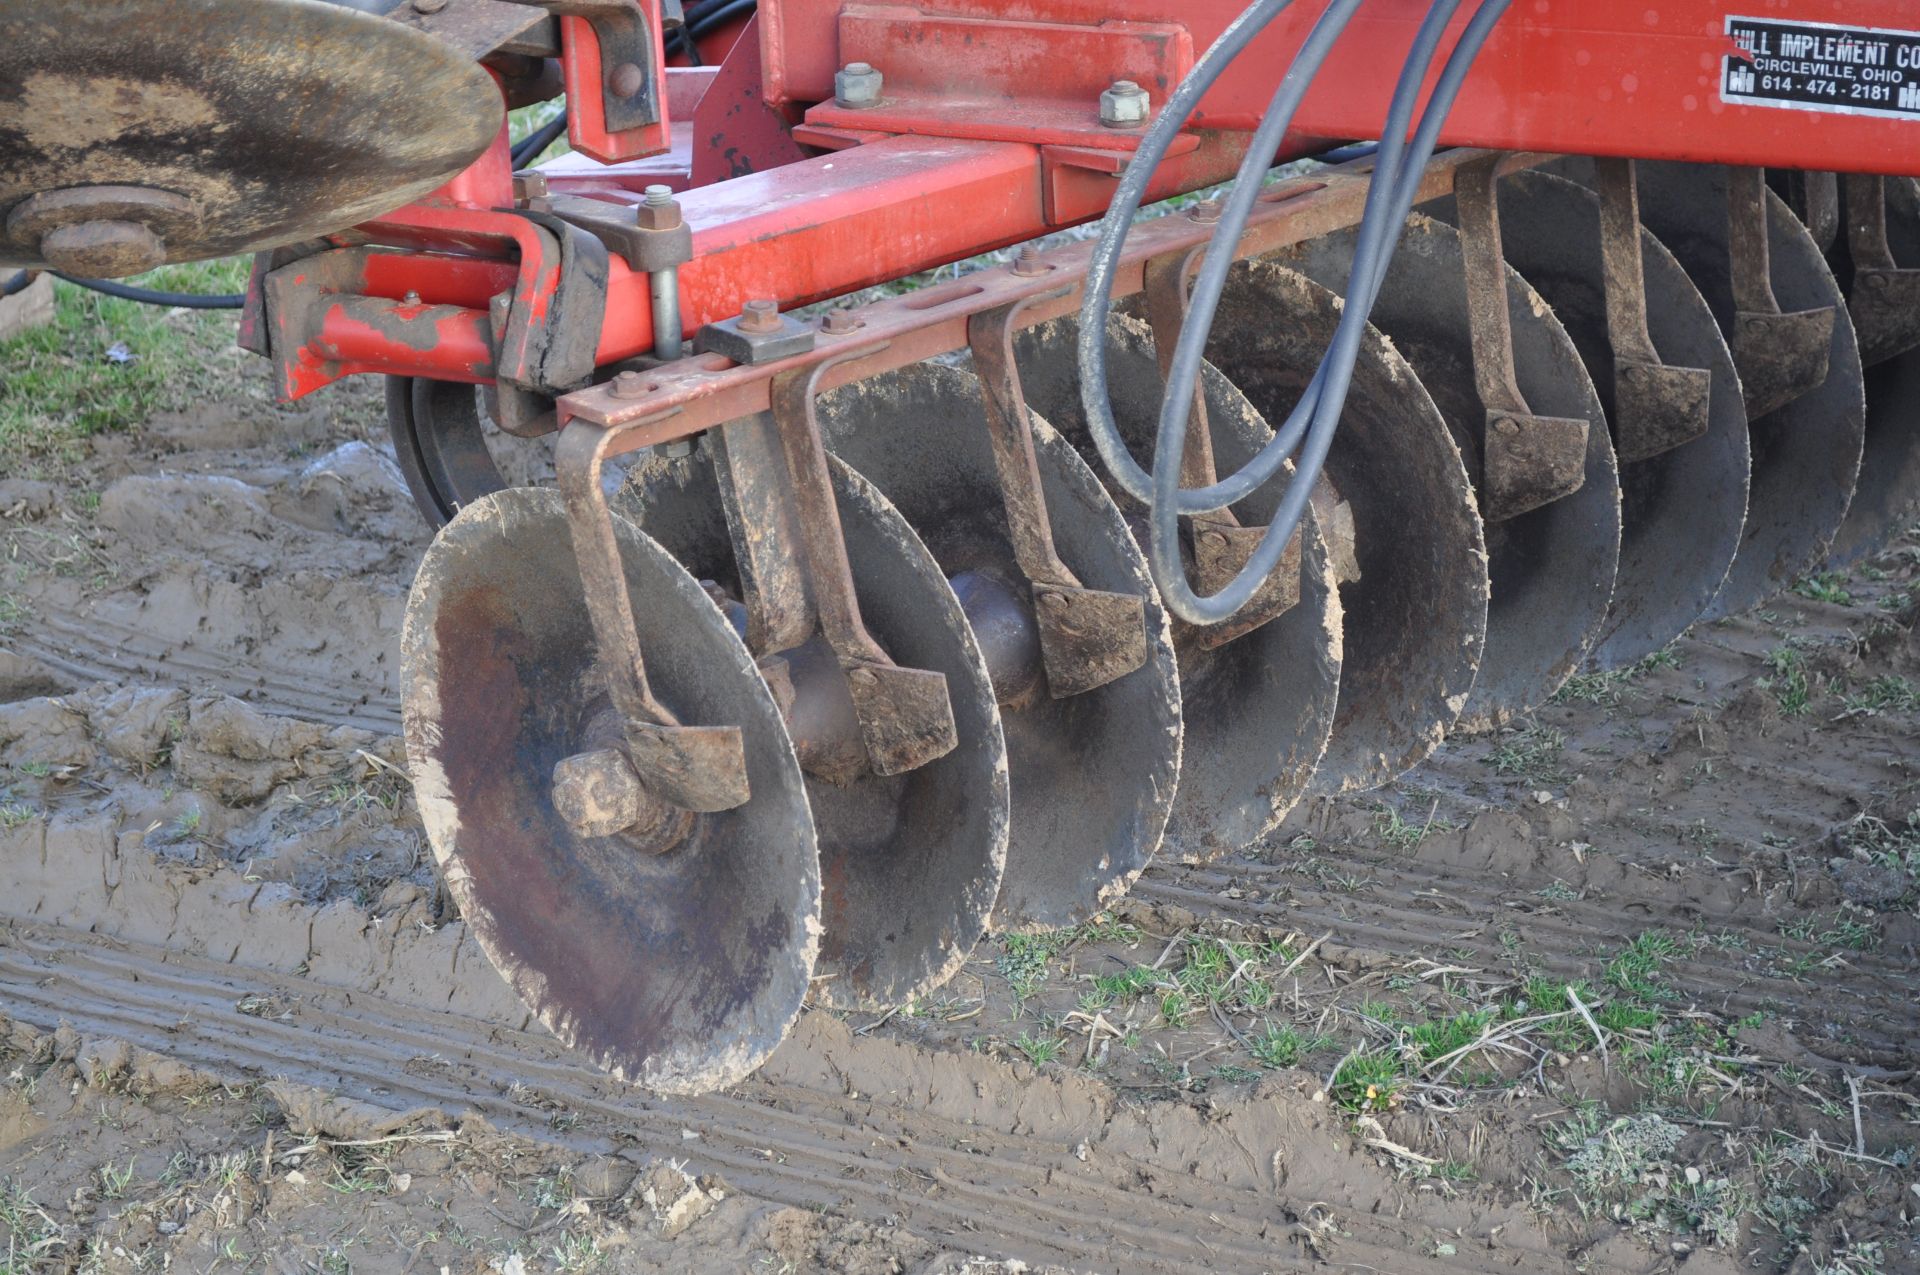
[
  {"x": 1681, "y": 509},
  {"x": 238, "y": 124},
  {"x": 910, "y": 864},
  {"x": 1806, "y": 454},
  {"x": 1552, "y": 567},
  {"x": 1253, "y": 738},
  {"x": 1092, "y": 773},
  {"x": 1416, "y": 619},
  {"x": 679, "y": 971}
]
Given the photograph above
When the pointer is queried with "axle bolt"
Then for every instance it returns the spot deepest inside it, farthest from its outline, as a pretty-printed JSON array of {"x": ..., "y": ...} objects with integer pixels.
[
  {"x": 1124, "y": 105},
  {"x": 1206, "y": 212},
  {"x": 627, "y": 79},
  {"x": 841, "y": 322},
  {"x": 597, "y": 793},
  {"x": 1027, "y": 263},
  {"x": 629, "y": 385},
  {"x": 659, "y": 211},
  {"x": 857, "y": 86},
  {"x": 760, "y": 316}
]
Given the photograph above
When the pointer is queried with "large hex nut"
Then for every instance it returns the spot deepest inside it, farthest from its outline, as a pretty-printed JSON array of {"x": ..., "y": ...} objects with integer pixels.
[
  {"x": 857, "y": 86},
  {"x": 1125, "y": 105}
]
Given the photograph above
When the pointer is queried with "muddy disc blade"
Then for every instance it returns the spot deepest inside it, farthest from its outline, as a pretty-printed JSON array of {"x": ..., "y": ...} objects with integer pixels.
[
  {"x": 441, "y": 445},
  {"x": 1806, "y": 454},
  {"x": 1415, "y": 622},
  {"x": 679, "y": 971},
  {"x": 142, "y": 133},
  {"x": 1889, "y": 490},
  {"x": 1092, "y": 774},
  {"x": 1552, "y": 569},
  {"x": 1259, "y": 709},
  {"x": 910, "y": 864},
  {"x": 1681, "y": 510}
]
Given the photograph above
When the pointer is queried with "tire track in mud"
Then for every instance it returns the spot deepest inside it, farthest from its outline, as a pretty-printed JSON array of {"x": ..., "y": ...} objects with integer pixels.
[
  {"x": 90, "y": 649},
  {"x": 1402, "y": 905},
  {"x": 777, "y": 1137}
]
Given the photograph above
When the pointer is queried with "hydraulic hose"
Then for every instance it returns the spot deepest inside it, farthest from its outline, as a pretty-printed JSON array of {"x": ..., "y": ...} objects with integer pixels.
[{"x": 1309, "y": 429}]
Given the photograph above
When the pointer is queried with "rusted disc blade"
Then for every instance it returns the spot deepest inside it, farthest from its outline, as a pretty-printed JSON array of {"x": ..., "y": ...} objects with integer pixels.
[
  {"x": 1259, "y": 709},
  {"x": 1416, "y": 620},
  {"x": 242, "y": 124},
  {"x": 1888, "y": 494},
  {"x": 911, "y": 863},
  {"x": 679, "y": 971},
  {"x": 1552, "y": 569},
  {"x": 1093, "y": 774},
  {"x": 1806, "y": 455},
  {"x": 1681, "y": 510}
]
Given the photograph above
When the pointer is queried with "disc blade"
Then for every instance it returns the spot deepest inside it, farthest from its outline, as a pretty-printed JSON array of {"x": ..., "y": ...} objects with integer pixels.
[
  {"x": 1888, "y": 494},
  {"x": 1092, "y": 774},
  {"x": 1681, "y": 510},
  {"x": 910, "y": 863},
  {"x": 1253, "y": 738},
  {"x": 1806, "y": 455},
  {"x": 679, "y": 971},
  {"x": 1552, "y": 569},
  {"x": 1415, "y": 623},
  {"x": 263, "y": 122}
]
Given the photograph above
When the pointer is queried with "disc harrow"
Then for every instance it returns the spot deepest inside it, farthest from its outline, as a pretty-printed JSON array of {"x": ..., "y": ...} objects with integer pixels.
[{"x": 940, "y": 614}]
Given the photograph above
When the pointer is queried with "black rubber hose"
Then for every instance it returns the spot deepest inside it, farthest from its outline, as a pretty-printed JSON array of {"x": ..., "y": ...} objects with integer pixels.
[
  {"x": 148, "y": 296},
  {"x": 18, "y": 283}
]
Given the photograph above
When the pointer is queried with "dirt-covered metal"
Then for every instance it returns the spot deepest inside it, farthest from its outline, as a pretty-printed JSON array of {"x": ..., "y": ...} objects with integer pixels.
[
  {"x": 237, "y": 125},
  {"x": 678, "y": 971},
  {"x": 1681, "y": 510},
  {"x": 1093, "y": 774}
]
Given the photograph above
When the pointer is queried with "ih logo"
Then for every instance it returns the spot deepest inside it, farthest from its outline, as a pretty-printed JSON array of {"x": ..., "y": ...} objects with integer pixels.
[
  {"x": 1740, "y": 78},
  {"x": 1910, "y": 97}
]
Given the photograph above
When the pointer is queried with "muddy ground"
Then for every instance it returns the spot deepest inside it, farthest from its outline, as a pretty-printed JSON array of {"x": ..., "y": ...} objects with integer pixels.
[{"x": 1629, "y": 987}]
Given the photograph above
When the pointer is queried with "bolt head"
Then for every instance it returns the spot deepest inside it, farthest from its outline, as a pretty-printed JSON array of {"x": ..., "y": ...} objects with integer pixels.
[
  {"x": 1027, "y": 263},
  {"x": 864, "y": 676},
  {"x": 627, "y": 79},
  {"x": 759, "y": 315},
  {"x": 1507, "y": 425},
  {"x": 429, "y": 6},
  {"x": 1877, "y": 281},
  {"x": 658, "y": 214},
  {"x": 628, "y": 385},
  {"x": 1053, "y": 601},
  {"x": 1125, "y": 105},
  {"x": 597, "y": 793},
  {"x": 857, "y": 86},
  {"x": 411, "y": 298},
  {"x": 1206, "y": 212},
  {"x": 1214, "y": 539},
  {"x": 841, "y": 322},
  {"x": 529, "y": 186}
]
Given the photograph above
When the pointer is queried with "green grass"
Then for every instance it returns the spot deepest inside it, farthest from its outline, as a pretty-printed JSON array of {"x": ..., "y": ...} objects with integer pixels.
[
  {"x": 1531, "y": 754},
  {"x": 58, "y": 386},
  {"x": 1368, "y": 1081},
  {"x": 1039, "y": 1050},
  {"x": 1825, "y": 586},
  {"x": 1285, "y": 1045},
  {"x": 1889, "y": 693},
  {"x": 1788, "y": 679},
  {"x": 1636, "y": 969},
  {"x": 1436, "y": 1038}
]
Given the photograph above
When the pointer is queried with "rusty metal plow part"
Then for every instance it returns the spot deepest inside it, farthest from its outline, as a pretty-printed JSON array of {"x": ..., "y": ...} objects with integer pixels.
[
  {"x": 1526, "y": 460},
  {"x": 680, "y": 971},
  {"x": 142, "y": 134},
  {"x": 1781, "y": 354},
  {"x": 1416, "y": 619},
  {"x": 1552, "y": 567},
  {"x": 1889, "y": 490},
  {"x": 1806, "y": 453},
  {"x": 1093, "y": 774},
  {"x": 910, "y": 863},
  {"x": 1258, "y": 709},
  {"x": 1682, "y": 508}
]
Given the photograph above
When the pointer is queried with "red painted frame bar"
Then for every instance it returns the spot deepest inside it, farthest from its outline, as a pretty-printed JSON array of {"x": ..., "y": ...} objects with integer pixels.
[{"x": 1589, "y": 77}]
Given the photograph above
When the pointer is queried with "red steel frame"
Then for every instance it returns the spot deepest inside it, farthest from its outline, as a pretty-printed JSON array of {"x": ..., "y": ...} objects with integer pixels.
[{"x": 988, "y": 136}]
